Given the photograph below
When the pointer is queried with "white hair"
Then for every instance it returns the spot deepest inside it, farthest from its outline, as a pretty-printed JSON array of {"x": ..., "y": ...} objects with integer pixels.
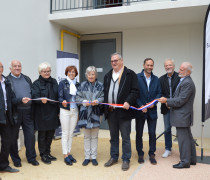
[
  {"x": 43, "y": 65},
  {"x": 169, "y": 59},
  {"x": 10, "y": 63},
  {"x": 188, "y": 66},
  {"x": 91, "y": 69}
]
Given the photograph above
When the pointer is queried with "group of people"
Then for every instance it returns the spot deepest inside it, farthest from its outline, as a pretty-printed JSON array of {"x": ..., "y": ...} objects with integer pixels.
[{"x": 57, "y": 104}]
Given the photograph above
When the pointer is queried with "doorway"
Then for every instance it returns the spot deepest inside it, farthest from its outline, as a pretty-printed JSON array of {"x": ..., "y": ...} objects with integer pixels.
[{"x": 96, "y": 53}]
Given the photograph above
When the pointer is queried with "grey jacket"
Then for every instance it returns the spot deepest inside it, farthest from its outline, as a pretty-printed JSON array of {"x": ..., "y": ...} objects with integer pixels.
[
  {"x": 181, "y": 112},
  {"x": 89, "y": 117}
]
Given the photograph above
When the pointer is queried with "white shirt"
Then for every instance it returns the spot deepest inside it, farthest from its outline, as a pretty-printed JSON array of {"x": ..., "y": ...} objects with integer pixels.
[
  {"x": 147, "y": 80},
  {"x": 4, "y": 91},
  {"x": 115, "y": 75}
]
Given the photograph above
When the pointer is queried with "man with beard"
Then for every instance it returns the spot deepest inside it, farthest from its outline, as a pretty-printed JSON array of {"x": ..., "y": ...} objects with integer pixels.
[
  {"x": 149, "y": 86},
  {"x": 168, "y": 82}
]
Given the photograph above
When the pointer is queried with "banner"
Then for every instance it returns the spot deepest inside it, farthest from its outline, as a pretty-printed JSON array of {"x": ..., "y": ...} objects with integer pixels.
[
  {"x": 206, "y": 69},
  {"x": 65, "y": 59}
]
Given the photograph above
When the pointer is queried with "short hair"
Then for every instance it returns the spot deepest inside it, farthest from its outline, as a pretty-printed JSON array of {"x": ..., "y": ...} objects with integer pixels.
[
  {"x": 43, "y": 65},
  {"x": 169, "y": 59},
  {"x": 10, "y": 63},
  {"x": 147, "y": 59},
  {"x": 188, "y": 66},
  {"x": 91, "y": 69},
  {"x": 70, "y": 68},
  {"x": 118, "y": 54}
]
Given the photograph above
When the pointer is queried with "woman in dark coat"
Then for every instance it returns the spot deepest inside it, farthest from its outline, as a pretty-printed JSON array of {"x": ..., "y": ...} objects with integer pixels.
[{"x": 45, "y": 111}]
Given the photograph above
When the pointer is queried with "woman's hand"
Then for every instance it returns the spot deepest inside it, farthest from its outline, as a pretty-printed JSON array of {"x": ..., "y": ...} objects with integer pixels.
[
  {"x": 25, "y": 100},
  {"x": 94, "y": 103},
  {"x": 64, "y": 103}
]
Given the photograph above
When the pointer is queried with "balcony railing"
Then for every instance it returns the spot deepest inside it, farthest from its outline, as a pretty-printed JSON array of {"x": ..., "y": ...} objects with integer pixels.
[{"x": 69, "y": 5}]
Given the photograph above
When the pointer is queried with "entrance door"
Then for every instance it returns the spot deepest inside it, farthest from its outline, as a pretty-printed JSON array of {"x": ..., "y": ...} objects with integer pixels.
[{"x": 97, "y": 53}]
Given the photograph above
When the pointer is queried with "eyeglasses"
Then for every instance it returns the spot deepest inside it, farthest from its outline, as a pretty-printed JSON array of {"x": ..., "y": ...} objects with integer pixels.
[
  {"x": 46, "y": 72},
  {"x": 115, "y": 61}
]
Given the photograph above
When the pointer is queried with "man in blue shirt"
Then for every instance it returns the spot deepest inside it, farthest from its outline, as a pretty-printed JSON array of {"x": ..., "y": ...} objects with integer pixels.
[{"x": 149, "y": 86}]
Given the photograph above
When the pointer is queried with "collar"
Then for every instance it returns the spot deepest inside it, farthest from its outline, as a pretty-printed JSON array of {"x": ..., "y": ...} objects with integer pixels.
[{"x": 15, "y": 76}]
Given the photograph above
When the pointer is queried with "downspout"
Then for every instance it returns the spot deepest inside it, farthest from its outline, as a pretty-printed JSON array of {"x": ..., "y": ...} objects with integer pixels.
[{"x": 62, "y": 36}]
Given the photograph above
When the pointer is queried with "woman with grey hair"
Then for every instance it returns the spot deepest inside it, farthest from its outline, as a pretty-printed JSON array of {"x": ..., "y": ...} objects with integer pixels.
[
  {"x": 90, "y": 93},
  {"x": 45, "y": 112}
]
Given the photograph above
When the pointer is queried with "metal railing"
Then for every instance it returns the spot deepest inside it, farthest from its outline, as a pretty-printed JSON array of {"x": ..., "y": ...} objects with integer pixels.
[{"x": 69, "y": 5}]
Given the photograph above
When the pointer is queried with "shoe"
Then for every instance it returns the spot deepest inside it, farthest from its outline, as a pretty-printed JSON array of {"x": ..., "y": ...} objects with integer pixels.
[
  {"x": 67, "y": 161},
  {"x": 52, "y": 158},
  {"x": 141, "y": 159},
  {"x": 153, "y": 160},
  {"x": 94, "y": 162},
  {"x": 193, "y": 163},
  {"x": 34, "y": 162},
  {"x": 9, "y": 169},
  {"x": 181, "y": 166},
  {"x": 110, "y": 162},
  {"x": 86, "y": 162},
  {"x": 18, "y": 164},
  {"x": 166, "y": 154},
  {"x": 45, "y": 159},
  {"x": 125, "y": 165},
  {"x": 72, "y": 158}
]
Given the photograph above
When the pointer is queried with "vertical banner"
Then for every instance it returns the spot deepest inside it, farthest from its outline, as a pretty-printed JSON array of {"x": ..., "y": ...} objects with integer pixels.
[
  {"x": 65, "y": 59},
  {"x": 207, "y": 66}
]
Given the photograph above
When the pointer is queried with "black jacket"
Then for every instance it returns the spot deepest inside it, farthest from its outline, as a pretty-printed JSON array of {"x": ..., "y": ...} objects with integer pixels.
[
  {"x": 45, "y": 115},
  {"x": 165, "y": 88},
  {"x": 11, "y": 104},
  {"x": 128, "y": 92}
]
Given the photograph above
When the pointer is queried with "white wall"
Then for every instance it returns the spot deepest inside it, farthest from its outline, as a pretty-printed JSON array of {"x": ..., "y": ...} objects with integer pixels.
[
  {"x": 27, "y": 35},
  {"x": 180, "y": 42}
]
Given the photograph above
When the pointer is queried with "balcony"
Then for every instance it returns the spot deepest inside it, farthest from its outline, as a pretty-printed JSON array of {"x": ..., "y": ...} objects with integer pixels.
[
  {"x": 119, "y": 15},
  {"x": 70, "y": 5}
]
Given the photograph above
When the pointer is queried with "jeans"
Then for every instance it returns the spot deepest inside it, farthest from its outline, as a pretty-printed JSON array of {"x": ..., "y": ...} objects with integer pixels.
[
  {"x": 68, "y": 121},
  {"x": 124, "y": 126},
  {"x": 167, "y": 134},
  {"x": 24, "y": 120},
  {"x": 140, "y": 120}
]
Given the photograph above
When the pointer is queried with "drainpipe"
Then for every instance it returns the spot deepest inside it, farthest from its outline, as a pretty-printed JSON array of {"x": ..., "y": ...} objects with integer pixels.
[{"x": 62, "y": 36}]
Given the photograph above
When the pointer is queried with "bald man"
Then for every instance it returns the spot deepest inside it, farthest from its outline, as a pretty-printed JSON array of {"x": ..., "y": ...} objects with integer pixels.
[
  {"x": 21, "y": 85},
  {"x": 181, "y": 116}
]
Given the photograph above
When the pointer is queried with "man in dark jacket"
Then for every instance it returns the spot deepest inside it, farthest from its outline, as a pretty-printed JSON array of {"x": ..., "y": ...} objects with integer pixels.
[
  {"x": 21, "y": 86},
  {"x": 168, "y": 83},
  {"x": 120, "y": 87},
  {"x": 149, "y": 85},
  {"x": 8, "y": 119}
]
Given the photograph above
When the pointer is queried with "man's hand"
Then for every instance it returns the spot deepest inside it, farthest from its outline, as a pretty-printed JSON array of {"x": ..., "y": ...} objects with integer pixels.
[
  {"x": 151, "y": 106},
  {"x": 25, "y": 100},
  {"x": 44, "y": 100},
  {"x": 162, "y": 100},
  {"x": 144, "y": 110},
  {"x": 126, "y": 105},
  {"x": 94, "y": 103},
  {"x": 64, "y": 103}
]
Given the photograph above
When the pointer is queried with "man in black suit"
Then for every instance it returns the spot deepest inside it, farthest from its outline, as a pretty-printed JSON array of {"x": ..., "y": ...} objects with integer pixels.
[
  {"x": 168, "y": 83},
  {"x": 181, "y": 116},
  {"x": 120, "y": 87},
  {"x": 8, "y": 119}
]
